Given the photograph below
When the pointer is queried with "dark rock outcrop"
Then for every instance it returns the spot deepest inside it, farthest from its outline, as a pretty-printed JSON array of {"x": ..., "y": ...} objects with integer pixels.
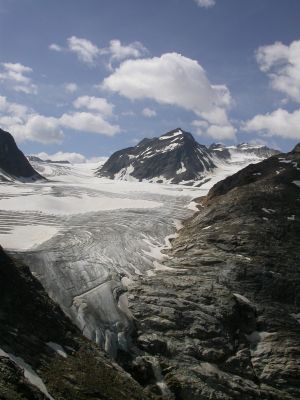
[
  {"x": 43, "y": 354},
  {"x": 13, "y": 163},
  {"x": 174, "y": 157},
  {"x": 222, "y": 320}
]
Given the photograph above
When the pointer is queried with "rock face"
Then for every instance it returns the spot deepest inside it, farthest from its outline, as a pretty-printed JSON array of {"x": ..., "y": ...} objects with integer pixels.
[
  {"x": 174, "y": 157},
  {"x": 43, "y": 355},
  {"x": 221, "y": 319},
  {"x": 13, "y": 163}
]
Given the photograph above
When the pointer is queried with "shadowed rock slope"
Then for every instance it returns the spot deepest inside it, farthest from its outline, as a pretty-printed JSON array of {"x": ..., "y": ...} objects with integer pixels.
[
  {"x": 36, "y": 337},
  {"x": 13, "y": 163},
  {"x": 222, "y": 322}
]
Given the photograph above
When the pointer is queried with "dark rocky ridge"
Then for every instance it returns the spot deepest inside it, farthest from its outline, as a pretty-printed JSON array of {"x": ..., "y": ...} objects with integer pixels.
[
  {"x": 174, "y": 156},
  {"x": 13, "y": 162},
  {"x": 246, "y": 148},
  {"x": 224, "y": 321},
  {"x": 38, "y": 159},
  {"x": 29, "y": 320}
]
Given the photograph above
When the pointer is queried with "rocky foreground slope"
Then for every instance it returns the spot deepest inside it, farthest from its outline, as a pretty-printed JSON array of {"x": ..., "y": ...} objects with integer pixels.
[
  {"x": 221, "y": 319},
  {"x": 13, "y": 164},
  {"x": 43, "y": 355}
]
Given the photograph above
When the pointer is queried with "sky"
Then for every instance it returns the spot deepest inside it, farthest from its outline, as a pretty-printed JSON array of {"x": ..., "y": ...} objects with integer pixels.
[{"x": 80, "y": 79}]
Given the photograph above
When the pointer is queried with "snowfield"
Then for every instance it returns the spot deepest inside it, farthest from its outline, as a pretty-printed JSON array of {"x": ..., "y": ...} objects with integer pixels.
[{"x": 85, "y": 238}]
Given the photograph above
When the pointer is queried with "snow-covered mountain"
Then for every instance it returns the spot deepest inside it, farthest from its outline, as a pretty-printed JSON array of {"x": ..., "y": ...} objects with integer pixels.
[
  {"x": 261, "y": 151},
  {"x": 13, "y": 164},
  {"x": 176, "y": 157}
]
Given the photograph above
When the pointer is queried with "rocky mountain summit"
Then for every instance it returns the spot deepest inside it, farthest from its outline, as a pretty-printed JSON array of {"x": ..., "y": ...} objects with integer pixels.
[
  {"x": 13, "y": 164},
  {"x": 175, "y": 157},
  {"x": 34, "y": 159},
  {"x": 221, "y": 318},
  {"x": 261, "y": 151},
  {"x": 43, "y": 355}
]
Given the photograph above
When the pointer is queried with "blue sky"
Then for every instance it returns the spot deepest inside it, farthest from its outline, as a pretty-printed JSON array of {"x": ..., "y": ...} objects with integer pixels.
[{"x": 91, "y": 77}]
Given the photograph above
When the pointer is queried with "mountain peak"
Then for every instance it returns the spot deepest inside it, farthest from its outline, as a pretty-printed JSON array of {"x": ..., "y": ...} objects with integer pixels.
[
  {"x": 174, "y": 157},
  {"x": 13, "y": 163}
]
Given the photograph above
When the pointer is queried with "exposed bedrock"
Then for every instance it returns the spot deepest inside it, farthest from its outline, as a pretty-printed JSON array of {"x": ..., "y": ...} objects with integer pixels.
[{"x": 221, "y": 321}]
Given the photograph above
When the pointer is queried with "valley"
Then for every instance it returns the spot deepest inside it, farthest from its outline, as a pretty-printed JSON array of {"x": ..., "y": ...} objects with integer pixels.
[{"x": 86, "y": 237}]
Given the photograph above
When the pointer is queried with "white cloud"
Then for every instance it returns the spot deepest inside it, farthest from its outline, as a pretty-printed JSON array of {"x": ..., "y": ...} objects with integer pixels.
[
  {"x": 120, "y": 52},
  {"x": 75, "y": 158},
  {"x": 219, "y": 132},
  {"x": 15, "y": 109},
  {"x": 175, "y": 80},
  {"x": 205, "y": 3},
  {"x": 282, "y": 65},
  {"x": 278, "y": 123},
  {"x": 94, "y": 103},
  {"x": 148, "y": 112},
  {"x": 71, "y": 87},
  {"x": 88, "y": 122},
  {"x": 16, "y": 74},
  {"x": 85, "y": 50},
  {"x": 38, "y": 128},
  {"x": 25, "y": 124},
  {"x": 89, "y": 52},
  {"x": 55, "y": 47}
]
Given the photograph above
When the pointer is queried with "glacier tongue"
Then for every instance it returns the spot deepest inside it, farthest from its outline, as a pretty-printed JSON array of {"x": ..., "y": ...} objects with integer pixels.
[{"x": 94, "y": 253}]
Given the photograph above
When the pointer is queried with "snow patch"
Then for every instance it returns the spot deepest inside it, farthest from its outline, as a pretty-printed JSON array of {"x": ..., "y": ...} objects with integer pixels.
[
  {"x": 243, "y": 298},
  {"x": 68, "y": 205},
  {"x": 29, "y": 373},
  {"x": 57, "y": 348},
  {"x": 181, "y": 170},
  {"x": 296, "y": 316},
  {"x": 297, "y": 183},
  {"x": 25, "y": 238},
  {"x": 177, "y": 133}
]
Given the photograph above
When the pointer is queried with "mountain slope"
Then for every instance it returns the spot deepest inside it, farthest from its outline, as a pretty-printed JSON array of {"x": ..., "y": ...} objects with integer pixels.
[
  {"x": 13, "y": 163},
  {"x": 42, "y": 354},
  {"x": 174, "y": 157},
  {"x": 222, "y": 317}
]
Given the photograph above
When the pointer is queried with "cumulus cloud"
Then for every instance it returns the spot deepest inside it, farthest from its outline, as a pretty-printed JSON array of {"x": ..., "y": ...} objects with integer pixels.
[
  {"x": 282, "y": 65},
  {"x": 94, "y": 103},
  {"x": 217, "y": 132},
  {"x": 71, "y": 87},
  {"x": 85, "y": 50},
  {"x": 25, "y": 124},
  {"x": 278, "y": 123},
  {"x": 88, "y": 122},
  {"x": 205, "y": 3},
  {"x": 55, "y": 47},
  {"x": 120, "y": 52},
  {"x": 75, "y": 158},
  {"x": 16, "y": 74},
  {"x": 14, "y": 109},
  {"x": 148, "y": 112},
  {"x": 88, "y": 52},
  {"x": 175, "y": 80}
]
